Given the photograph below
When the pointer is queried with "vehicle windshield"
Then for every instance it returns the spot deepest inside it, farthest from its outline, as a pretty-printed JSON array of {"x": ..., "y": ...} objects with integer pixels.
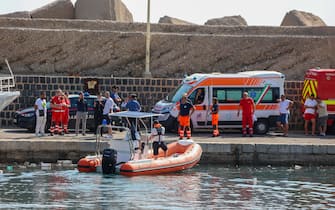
[{"x": 177, "y": 93}]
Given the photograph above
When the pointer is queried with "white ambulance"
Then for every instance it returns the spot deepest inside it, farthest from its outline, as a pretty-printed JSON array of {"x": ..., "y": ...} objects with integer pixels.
[{"x": 265, "y": 87}]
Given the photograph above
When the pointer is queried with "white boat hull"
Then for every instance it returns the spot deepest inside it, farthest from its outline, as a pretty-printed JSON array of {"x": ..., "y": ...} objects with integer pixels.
[{"x": 7, "y": 97}]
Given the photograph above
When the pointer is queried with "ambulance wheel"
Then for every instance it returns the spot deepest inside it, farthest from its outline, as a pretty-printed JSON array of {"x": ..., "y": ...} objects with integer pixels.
[{"x": 261, "y": 126}]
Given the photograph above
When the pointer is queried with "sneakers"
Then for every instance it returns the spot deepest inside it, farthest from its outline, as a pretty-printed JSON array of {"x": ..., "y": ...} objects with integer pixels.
[{"x": 109, "y": 136}]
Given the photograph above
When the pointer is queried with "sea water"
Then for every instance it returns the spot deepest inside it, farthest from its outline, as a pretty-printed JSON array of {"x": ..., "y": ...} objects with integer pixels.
[{"x": 203, "y": 187}]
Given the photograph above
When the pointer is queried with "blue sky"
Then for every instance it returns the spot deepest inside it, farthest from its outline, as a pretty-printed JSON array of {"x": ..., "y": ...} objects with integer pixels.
[{"x": 256, "y": 12}]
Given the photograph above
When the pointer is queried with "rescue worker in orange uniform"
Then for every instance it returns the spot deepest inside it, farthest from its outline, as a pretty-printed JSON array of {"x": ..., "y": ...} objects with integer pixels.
[
  {"x": 65, "y": 118},
  {"x": 215, "y": 117},
  {"x": 57, "y": 111},
  {"x": 186, "y": 109},
  {"x": 248, "y": 109}
]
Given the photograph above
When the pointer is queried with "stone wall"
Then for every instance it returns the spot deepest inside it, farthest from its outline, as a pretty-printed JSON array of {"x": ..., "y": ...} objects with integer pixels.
[
  {"x": 149, "y": 91},
  {"x": 104, "y": 48}
]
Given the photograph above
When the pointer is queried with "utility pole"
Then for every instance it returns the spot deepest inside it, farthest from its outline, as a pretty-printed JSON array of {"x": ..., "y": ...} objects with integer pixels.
[{"x": 147, "y": 72}]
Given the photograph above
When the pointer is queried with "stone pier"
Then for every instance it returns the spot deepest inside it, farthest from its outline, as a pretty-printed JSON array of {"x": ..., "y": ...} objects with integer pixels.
[{"x": 231, "y": 149}]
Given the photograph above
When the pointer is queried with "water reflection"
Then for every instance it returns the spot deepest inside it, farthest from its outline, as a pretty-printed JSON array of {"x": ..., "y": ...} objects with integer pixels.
[{"x": 204, "y": 187}]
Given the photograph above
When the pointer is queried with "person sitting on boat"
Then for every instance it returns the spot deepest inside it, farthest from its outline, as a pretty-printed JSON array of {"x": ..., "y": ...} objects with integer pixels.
[{"x": 157, "y": 134}]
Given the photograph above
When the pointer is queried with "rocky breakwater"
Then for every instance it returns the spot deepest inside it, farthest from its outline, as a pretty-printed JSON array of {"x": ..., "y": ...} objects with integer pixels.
[{"x": 105, "y": 48}]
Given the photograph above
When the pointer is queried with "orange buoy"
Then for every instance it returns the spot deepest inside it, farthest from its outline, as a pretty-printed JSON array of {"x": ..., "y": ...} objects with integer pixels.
[{"x": 88, "y": 164}]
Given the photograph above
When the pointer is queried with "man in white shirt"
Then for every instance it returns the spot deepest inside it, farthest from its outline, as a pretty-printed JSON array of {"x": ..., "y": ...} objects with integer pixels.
[
  {"x": 40, "y": 107},
  {"x": 309, "y": 114},
  {"x": 322, "y": 116},
  {"x": 108, "y": 108},
  {"x": 284, "y": 111}
]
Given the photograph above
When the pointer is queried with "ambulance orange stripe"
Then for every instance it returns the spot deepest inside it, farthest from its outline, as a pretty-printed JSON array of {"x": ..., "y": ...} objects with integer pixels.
[
  {"x": 229, "y": 82},
  {"x": 234, "y": 106}
]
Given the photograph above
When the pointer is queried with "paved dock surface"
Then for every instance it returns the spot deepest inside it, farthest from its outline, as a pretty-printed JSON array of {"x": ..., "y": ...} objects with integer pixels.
[{"x": 17, "y": 145}]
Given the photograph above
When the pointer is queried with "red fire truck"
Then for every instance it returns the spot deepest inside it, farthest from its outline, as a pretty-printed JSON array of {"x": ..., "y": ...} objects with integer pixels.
[{"x": 321, "y": 83}]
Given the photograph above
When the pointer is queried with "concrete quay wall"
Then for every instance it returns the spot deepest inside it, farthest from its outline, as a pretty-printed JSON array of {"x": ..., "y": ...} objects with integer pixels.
[
  {"x": 252, "y": 154},
  {"x": 49, "y": 151},
  {"x": 268, "y": 154}
]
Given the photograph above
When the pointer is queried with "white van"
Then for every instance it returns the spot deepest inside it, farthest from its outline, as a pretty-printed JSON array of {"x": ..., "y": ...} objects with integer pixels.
[{"x": 265, "y": 87}]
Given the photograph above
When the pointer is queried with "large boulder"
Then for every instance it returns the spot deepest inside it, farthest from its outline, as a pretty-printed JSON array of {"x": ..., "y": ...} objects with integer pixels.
[
  {"x": 60, "y": 9},
  {"x": 176, "y": 21},
  {"x": 21, "y": 14},
  {"x": 102, "y": 10},
  {"x": 236, "y": 20},
  {"x": 300, "y": 18}
]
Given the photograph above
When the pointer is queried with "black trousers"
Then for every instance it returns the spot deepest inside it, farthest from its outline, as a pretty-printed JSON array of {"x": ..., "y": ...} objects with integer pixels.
[
  {"x": 156, "y": 145},
  {"x": 97, "y": 121}
]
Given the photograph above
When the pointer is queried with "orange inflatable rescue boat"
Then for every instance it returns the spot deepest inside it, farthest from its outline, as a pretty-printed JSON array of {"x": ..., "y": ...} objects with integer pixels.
[
  {"x": 130, "y": 157},
  {"x": 181, "y": 155}
]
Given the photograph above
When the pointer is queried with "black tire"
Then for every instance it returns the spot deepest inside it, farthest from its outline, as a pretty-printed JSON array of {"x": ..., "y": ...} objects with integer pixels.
[{"x": 261, "y": 126}]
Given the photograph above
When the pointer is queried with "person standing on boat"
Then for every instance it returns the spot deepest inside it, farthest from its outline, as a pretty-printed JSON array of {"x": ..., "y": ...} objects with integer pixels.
[
  {"x": 248, "y": 109},
  {"x": 41, "y": 114},
  {"x": 108, "y": 108},
  {"x": 134, "y": 106},
  {"x": 98, "y": 112},
  {"x": 215, "y": 117},
  {"x": 186, "y": 109},
  {"x": 157, "y": 134},
  {"x": 57, "y": 103},
  {"x": 81, "y": 116},
  {"x": 66, "y": 113}
]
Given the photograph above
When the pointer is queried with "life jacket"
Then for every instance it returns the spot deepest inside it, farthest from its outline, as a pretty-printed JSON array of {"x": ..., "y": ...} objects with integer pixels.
[{"x": 159, "y": 131}]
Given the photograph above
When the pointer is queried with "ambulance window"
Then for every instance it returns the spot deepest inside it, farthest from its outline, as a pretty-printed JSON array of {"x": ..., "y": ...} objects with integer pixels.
[
  {"x": 177, "y": 93},
  {"x": 270, "y": 97},
  {"x": 220, "y": 94},
  {"x": 200, "y": 96},
  {"x": 233, "y": 95},
  {"x": 227, "y": 95},
  {"x": 197, "y": 96}
]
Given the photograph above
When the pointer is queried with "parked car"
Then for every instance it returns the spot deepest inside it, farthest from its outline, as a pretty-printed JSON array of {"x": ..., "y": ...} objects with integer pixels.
[{"x": 26, "y": 118}]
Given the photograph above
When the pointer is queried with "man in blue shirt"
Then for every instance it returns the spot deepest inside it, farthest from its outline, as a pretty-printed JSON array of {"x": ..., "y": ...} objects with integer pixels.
[
  {"x": 115, "y": 96},
  {"x": 134, "y": 106},
  {"x": 81, "y": 115}
]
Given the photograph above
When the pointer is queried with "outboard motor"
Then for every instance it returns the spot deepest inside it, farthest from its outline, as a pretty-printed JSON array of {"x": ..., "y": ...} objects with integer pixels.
[{"x": 109, "y": 157}]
